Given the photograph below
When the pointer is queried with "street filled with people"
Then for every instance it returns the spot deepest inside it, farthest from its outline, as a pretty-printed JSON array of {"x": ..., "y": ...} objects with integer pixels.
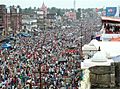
[{"x": 50, "y": 59}]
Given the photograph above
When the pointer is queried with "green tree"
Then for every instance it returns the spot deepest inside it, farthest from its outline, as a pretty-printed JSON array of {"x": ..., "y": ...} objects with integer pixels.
[{"x": 78, "y": 13}]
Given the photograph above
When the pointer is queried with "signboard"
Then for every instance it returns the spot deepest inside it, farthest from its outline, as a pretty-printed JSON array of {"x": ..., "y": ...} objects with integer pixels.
[{"x": 111, "y": 11}]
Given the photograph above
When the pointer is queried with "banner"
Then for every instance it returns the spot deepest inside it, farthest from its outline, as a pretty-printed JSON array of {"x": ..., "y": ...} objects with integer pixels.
[{"x": 112, "y": 11}]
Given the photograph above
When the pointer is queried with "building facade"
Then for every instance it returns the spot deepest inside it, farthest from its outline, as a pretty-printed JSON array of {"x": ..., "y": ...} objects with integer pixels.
[
  {"x": 3, "y": 20},
  {"x": 41, "y": 17},
  {"x": 10, "y": 20},
  {"x": 45, "y": 19},
  {"x": 15, "y": 19},
  {"x": 71, "y": 15},
  {"x": 51, "y": 17}
]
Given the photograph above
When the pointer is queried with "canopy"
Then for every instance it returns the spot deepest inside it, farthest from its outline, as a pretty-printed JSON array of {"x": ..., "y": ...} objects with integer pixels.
[
  {"x": 110, "y": 19},
  {"x": 6, "y": 45}
]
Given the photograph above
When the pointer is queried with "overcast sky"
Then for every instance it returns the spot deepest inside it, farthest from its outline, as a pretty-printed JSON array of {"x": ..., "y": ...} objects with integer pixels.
[{"x": 62, "y": 3}]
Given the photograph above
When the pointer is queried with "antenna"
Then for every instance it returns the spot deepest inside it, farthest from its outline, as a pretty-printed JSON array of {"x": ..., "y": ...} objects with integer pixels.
[{"x": 74, "y": 5}]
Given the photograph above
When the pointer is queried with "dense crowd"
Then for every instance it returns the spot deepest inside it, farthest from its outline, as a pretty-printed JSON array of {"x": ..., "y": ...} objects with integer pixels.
[
  {"x": 21, "y": 63},
  {"x": 51, "y": 57}
]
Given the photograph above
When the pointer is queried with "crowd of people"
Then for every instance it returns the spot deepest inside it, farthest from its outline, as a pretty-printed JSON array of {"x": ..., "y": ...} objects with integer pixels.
[
  {"x": 51, "y": 57},
  {"x": 21, "y": 63}
]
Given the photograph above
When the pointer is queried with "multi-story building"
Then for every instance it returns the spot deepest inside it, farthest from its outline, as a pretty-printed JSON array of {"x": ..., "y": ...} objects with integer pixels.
[
  {"x": 41, "y": 20},
  {"x": 28, "y": 23},
  {"x": 10, "y": 20},
  {"x": 45, "y": 19},
  {"x": 71, "y": 15},
  {"x": 15, "y": 19},
  {"x": 3, "y": 20},
  {"x": 51, "y": 17}
]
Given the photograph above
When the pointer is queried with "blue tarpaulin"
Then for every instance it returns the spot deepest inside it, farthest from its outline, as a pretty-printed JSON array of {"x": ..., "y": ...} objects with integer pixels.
[{"x": 6, "y": 45}]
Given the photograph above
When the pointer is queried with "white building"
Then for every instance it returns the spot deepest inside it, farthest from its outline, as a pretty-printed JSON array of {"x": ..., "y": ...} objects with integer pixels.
[
  {"x": 29, "y": 24},
  {"x": 99, "y": 53}
]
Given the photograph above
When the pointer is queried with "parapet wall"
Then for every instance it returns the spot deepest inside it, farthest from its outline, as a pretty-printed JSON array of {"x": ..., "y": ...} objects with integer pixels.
[
  {"x": 117, "y": 74},
  {"x": 102, "y": 76}
]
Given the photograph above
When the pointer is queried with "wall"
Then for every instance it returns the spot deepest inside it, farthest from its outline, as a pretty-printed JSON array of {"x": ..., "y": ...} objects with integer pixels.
[
  {"x": 85, "y": 83},
  {"x": 102, "y": 76}
]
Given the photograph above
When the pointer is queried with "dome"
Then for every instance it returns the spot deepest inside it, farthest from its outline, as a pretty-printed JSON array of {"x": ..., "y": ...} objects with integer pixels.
[
  {"x": 89, "y": 48},
  {"x": 99, "y": 57},
  {"x": 93, "y": 41}
]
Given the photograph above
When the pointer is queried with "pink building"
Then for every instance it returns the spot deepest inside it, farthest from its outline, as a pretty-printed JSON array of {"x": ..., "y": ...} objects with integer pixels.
[
  {"x": 44, "y": 8},
  {"x": 71, "y": 15}
]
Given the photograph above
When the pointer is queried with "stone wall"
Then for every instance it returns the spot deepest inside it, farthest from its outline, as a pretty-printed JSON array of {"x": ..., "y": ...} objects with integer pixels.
[
  {"x": 102, "y": 76},
  {"x": 117, "y": 74}
]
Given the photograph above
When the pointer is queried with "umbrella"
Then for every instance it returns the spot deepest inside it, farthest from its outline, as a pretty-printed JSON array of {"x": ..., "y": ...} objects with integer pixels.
[
  {"x": 62, "y": 60},
  {"x": 24, "y": 34},
  {"x": 6, "y": 45}
]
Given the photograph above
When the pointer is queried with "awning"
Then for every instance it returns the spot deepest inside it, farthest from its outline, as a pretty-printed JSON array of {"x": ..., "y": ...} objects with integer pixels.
[{"x": 110, "y": 19}]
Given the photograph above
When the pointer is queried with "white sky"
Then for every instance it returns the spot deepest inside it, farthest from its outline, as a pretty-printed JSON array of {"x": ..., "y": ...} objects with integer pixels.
[{"x": 62, "y": 3}]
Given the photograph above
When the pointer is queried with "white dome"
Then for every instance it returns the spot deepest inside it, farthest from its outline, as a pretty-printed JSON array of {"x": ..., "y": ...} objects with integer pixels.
[
  {"x": 89, "y": 47},
  {"x": 93, "y": 41},
  {"x": 99, "y": 57}
]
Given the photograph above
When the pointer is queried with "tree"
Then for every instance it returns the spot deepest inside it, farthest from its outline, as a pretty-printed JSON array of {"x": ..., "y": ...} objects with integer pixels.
[
  {"x": 60, "y": 12},
  {"x": 78, "y": 13},
  {"x": 28, "y": 10}
]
